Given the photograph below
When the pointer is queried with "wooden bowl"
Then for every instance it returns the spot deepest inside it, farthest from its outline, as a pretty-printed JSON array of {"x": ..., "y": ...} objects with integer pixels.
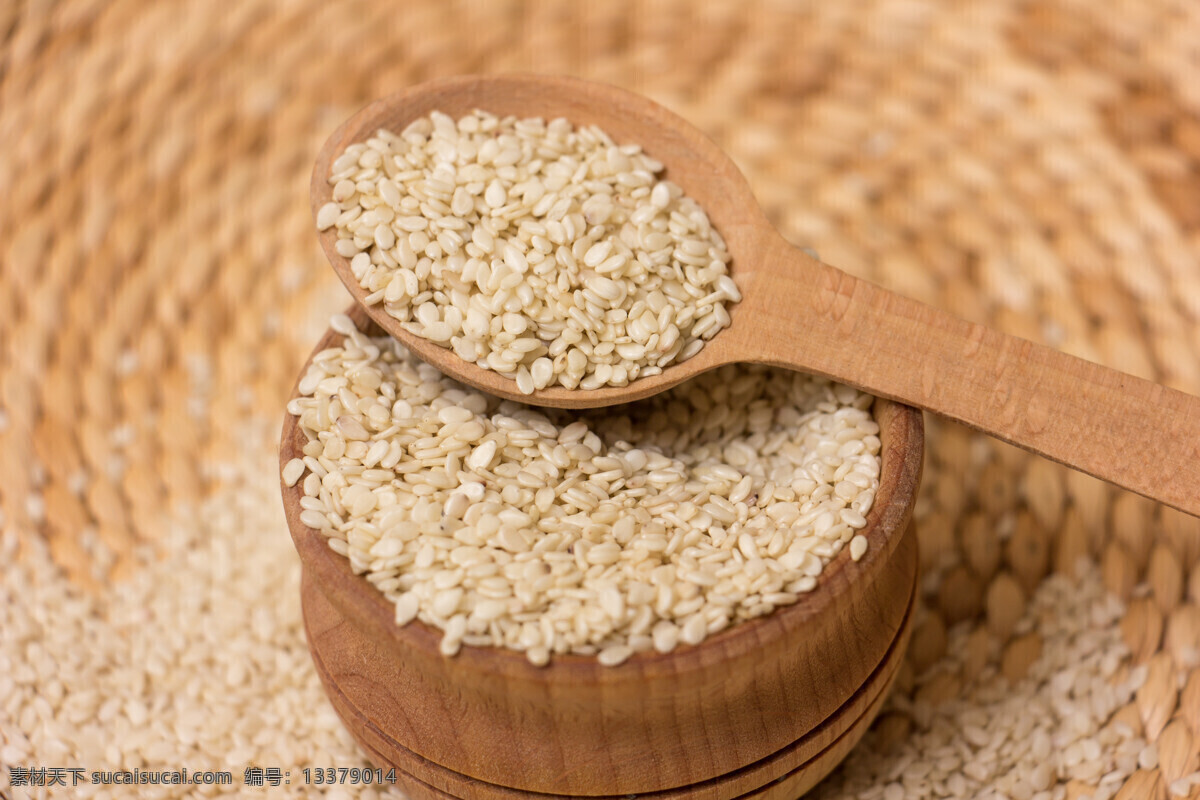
[{"x": 765, "y": 708}]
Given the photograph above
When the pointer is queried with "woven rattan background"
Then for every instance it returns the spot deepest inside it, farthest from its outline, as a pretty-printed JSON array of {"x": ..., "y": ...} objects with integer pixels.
[{"x": 1031, "y": 165}]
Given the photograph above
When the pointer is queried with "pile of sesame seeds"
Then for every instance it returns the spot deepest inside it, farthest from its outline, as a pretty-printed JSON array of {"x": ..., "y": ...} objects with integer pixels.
[
  {"x": 198, "y": 660},
  {"x": 622, "y": 530},
  {"x": 1061, "y": 731},
  {"x": 544, "y": 252}
]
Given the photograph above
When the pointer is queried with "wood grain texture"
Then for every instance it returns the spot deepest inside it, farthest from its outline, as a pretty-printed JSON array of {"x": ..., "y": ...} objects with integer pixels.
[
  {"x": 784, "y": 775},
  {"x": 1117, "y": 427},
  {"x": 799, "y": 313},
  {"x": 655, "y": 723}
]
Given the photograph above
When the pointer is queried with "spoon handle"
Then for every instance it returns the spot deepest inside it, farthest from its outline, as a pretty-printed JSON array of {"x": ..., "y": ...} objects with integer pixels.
[{"x": 1125, "y": 430}]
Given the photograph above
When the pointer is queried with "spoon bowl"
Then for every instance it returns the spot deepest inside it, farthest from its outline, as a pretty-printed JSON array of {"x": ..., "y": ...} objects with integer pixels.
[
  {"x": 764, "y": 708},
  {"x": 692, "y": 161},
  {"x": 799, "y": 313}
]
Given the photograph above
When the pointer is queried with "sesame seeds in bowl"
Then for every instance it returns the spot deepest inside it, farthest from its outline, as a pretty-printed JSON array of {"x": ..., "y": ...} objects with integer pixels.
[
  {"x": 605, "y": 533},
  {"x": 774, "y": 689}
]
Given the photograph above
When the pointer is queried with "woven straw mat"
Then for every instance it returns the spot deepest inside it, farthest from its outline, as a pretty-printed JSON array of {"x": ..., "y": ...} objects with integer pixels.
[{"x": 1031, "y": 166}]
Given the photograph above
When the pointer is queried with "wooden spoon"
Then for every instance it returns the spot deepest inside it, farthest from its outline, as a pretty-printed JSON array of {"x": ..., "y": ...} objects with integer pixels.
[{"x": 799, "y": 313}]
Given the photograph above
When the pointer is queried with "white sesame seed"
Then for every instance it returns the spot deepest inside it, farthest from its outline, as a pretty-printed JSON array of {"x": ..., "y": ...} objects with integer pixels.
[
  {"x": 525, "y": 384},
  {"x": 327, "y": 216},
  {"x": 615, "y": 654},
  {"x": 407, "y": 606},
  {"x": 858, "y": 547},
  {"x": 292, "y": 471}
]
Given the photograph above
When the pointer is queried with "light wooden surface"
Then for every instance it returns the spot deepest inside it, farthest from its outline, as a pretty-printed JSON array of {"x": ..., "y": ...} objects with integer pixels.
[
  {"x": 805, "y": 315},
  {"x": 766, "y": 692}
]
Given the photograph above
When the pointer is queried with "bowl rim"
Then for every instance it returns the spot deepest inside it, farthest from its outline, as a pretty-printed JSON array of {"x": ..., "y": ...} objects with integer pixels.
[{"x": 902, "y": 459}]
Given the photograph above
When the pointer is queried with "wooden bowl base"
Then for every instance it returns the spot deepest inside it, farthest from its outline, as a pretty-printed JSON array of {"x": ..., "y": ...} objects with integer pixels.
[{"x": 784, "y": 775}]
